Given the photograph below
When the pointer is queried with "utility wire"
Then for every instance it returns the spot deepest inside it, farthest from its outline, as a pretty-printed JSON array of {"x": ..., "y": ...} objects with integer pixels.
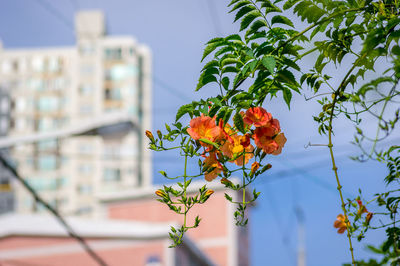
[
  {"x": 49, "y": 8},
  {"x": 177, "y": 93},
  {"x": 214, "y": 17},
  {"x": 53, "y": 211}
]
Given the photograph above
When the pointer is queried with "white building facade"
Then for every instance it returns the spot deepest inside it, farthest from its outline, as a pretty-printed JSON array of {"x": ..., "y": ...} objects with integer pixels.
[{"x": 56, "y": 88}]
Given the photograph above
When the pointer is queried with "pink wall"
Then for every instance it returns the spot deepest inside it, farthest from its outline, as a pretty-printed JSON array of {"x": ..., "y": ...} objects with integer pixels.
[
  {"x": 214, "y": 223},
  {"x": 120, "y": 256}
]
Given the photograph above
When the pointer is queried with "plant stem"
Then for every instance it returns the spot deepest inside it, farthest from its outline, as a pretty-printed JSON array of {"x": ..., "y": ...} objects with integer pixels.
[
  {"x": 184, "y": 180},
  {"x": 339, "y": 186}
]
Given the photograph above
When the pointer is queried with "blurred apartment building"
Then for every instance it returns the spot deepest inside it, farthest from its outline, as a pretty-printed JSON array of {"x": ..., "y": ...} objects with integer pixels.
[
  {"x": 59, "y": 88},
  {"x": 6, "y": 193}
]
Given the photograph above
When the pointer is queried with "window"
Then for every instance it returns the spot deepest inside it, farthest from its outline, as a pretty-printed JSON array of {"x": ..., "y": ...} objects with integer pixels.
[
  {"x": 87, "y": 69},
  {"x": 113, "y": 53},
  {"x": 20, "y": 124},
  {"x": 53, "y": 64},
  {"x": 84, "y": 189},
  {"x": 3, "y": 126},
  {"x": 47, "y": 163},
  {"x": 84, "y": 210},
  {"x": 20, "y": 104},
  {"x": 23, "y": 65},
  {"x": 86, "y": 109},
  {"x": 112, "y": 94},
  {"x": 112, "y": 175},
  {"x": 4, "y": 105},
  {"x": 121, "y": 72},
  {"x": 86, "y": 89},
  {"x": 48, "y": 104},
  {"x": 38, "y": 64},
  {"x": 6, "y": 67},
  {"x": 87, "y": 49},
  {"x": 85, "y": 169},
  {"x": 47, "y": 145}
]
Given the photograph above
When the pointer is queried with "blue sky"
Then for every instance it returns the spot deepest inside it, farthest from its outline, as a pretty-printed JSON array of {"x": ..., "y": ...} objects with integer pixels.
[{"x": 176, "y": 31}]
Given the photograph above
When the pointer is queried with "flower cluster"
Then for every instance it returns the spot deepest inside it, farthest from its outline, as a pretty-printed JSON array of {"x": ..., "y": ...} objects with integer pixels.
[
  {"x": 221, "y": 140},
  {"x": 342, "y": 222}
]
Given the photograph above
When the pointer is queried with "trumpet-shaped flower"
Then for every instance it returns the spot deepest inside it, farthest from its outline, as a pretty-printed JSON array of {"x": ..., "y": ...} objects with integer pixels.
[
  {"x": 235, "y": 149},
  {"x": 341, "y": 224},
  {"x": 204, "y": 127},
  {"x": 212, "y": 167},
  {"x": 280, "y": 140},
  {"x": 257, "y": 116}
]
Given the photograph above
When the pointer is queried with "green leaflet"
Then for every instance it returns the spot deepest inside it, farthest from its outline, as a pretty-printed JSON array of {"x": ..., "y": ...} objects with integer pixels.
[
  {"x": 269, "y": 63},
  {"x": 282, "y": 20}
]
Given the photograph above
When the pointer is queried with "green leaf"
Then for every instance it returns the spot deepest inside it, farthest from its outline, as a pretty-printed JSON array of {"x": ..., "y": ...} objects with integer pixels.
[
  {"x": 249, "y": 18},
  {"x": 282, "y": 20},
  {"x": 255, "y": 27},
  {"x": 239, "y": 5},
  {"x": 287, "y": 96},
  {"x": 211, "y": 47},
  {"x": 229, "y": 61},
  {"x": 269, "y": 63},
  {"x": 289, "y": 3},
  {"x": 225, "y": 83},
  {"x": 396, "y": 50},
  {"x": 287, "y": 76},
  {"x": 209, "y": 142},
  {"x": 230, "y": 69},
  {"x": 238, "y": 122},
  {"x": 206, "y": 77},
  {"x": 243, "y": 11},
  {"x": 228, "y": 197},
  {"x": 212, "y": 63},
  {"x": 187, "y": 108}
]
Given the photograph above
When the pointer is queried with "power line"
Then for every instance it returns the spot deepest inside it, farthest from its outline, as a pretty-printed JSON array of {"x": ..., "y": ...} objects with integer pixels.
[
  {"x": 177, "y": 93},
  {"x": 214, "y": 17},
  {"x": 49, "y": 8},
  {"x": 53, "y": 211}
]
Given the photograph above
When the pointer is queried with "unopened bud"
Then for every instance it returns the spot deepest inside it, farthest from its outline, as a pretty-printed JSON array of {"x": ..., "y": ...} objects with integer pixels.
[
  {"x": 209, "y": 192},
  {"x": 150, "y": 135},
  {"x": 225, "y": 181},
  {"x": 159, "y": 134},
  {"x": 369, "y": 217},
  {"x": 254, "y": 167},
  {"x": 161, "y": 193}
]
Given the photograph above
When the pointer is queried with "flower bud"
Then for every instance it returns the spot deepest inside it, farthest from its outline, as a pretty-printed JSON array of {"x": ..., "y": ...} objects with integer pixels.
[
  {"x": 159, "y": 134},
  {"x": 209, "y": 192},
  {"x": 150, "y": 135},
  {"x": 160, "y": 193},
  {"x": 225, "y": 182},
  {"x": 369, "y": 217},
  {"x": 254, "y": 167}
]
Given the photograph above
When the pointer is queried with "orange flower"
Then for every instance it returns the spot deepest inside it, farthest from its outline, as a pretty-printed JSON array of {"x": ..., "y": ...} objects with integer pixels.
[
  {"x": 254, "y": 167},
  {"x": 212, "y": 167},
  {"x": 361, "y": 208},
  {"x": 340, "y": 224},
  {"x": 203, "y": 127},
  {"x": 280, "y": 140},
  {"x": 225, "y": 131},
  {"x": 233, "y": 149},
  {"x": 267, "y": 139},
  {"x": 257, "y": 116}
]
